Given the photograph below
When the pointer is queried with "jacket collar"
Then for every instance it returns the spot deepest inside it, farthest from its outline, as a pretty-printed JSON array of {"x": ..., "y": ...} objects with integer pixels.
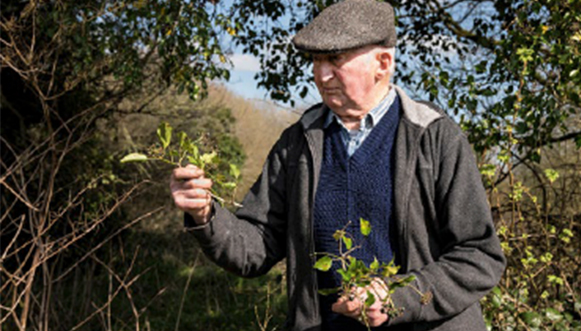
[{"x": 418, "y": 113}]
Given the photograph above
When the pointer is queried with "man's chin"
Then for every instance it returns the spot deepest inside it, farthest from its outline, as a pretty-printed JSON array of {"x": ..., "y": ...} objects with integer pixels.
[{"x": 333, "y": 103}]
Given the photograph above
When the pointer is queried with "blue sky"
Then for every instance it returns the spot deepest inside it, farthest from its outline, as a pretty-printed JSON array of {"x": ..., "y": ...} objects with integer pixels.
[
  {"x": 242, "y": 77},
  {"x": 242, "y": 81}
]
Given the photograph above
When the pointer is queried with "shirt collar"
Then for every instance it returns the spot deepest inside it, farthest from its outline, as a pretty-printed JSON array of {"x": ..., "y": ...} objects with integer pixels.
[{"x": 372, "y": 118}]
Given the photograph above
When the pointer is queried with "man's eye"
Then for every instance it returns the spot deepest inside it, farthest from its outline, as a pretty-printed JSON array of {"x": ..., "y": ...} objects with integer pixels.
[{"x": 337, "y": 59}]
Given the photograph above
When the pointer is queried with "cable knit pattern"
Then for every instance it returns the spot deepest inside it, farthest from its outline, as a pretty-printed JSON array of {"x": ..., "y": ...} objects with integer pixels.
[{"x": 351, "y": 188}]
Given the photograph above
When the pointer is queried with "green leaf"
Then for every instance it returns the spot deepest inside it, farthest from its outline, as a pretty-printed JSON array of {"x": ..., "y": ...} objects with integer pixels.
[
  {"x": 552, "y": 175},
  {"x": 496, "y": 301},
  {"x": 370, "y": 299},
  {"x": 488, "y": 170},
  {"x": 374, "y": 265},
  {"x": 183, "y": 139},
  {"x": 348, "y": 242},
  {"x": 531, "y": 318},
  {"x": 402, "y": 282},
  {"x": 338, "y": 235},
  {"x": 208, "y": 158},
  {"x": 194, "y": 161},
  {"x": 553, "y": 314},
  {"x": 360, "y": 269},
  {"x": 525, "y": 54},
  {"x": 345, "y": 275},
  {"x": 324, "y": 263},
  {"x": 365, "y": 227},
  {"x": 555, "y": 280},
  {"x": 229, "y": 185},
  {"x": 390, "y": 270},
  {"x": 408, "y": 279},
  {"x": 164, "y": 134},
  {"x": 134, "y": 157},
  {"x": 566, "y": 235},
  {"x": 234, "y": 171},
  {"x": 328, "y": 291},
  {"x": 195, "y": 154}
]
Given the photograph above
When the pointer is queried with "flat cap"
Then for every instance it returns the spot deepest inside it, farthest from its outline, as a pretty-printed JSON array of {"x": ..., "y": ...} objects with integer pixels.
[{"x": 348, "y": 25}]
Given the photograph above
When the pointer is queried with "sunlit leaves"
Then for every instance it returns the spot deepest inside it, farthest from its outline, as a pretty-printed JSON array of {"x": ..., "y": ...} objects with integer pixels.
[
  {"x": 365, "y": 227},
  {"x": 488, "y": 170},
  {"x": 370, "y": 300},
  {"x": 324, "y": 263},
  {"x": 552, "y": 175},
  {"x": 208, "y": 158},
  {"x": 339, "y": 234},
  {"x": 401, "y": 282},
  {"x": 134, "y": 157},
  {"x": 184, "y": 150},
  {"x": 355, "y": 275},
  {"x": 164, "y": 133},
  {"x": 348, "y": 242},
  {"x": 234, "y": 171}
]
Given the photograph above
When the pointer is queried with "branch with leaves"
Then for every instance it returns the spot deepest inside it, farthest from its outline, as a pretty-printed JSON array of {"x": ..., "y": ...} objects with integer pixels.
[
  {"x": 355, "y": 274},
  {"x": 187, "y": 151}
]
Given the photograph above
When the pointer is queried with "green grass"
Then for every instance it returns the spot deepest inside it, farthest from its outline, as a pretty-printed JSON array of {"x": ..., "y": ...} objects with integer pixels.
[{"x": 175, "y": 270}]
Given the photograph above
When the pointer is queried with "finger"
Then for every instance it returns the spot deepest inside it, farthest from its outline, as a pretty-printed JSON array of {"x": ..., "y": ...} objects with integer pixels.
[
  {"x": 197, "y": 193},
  {"x": 375, "y": 315},
  {"x": 191, "y": 203},
  {"x": 201, "y": 183},
  {"x": 187, "y": 173},
  {"x": 351, "y": 308}
]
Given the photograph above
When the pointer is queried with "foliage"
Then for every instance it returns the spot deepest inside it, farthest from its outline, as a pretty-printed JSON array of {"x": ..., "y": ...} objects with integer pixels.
[
  {"x": 66, "y": 67},
  {"x": 356, "y": 275},
  {"x": 93, "y": 39},
  {"x": 188, "y": 150},
  {"x": 537, "y": 214},
  {"x": 470, "y": 57},
  {"x": 507, "y": 70}
]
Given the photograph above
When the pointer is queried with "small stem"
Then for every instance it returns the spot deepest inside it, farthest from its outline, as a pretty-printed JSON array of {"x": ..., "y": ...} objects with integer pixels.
[
  {"x": 222, "y": 200},
  {"x": 166, "y": 161}
]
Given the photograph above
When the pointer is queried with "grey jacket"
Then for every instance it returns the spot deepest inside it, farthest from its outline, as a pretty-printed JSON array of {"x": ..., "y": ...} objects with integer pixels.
[{"x": 446, "y": 236}]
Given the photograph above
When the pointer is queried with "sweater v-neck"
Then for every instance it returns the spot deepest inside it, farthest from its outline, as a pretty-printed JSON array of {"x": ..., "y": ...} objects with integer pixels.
[{"x": 383, "y": 132}]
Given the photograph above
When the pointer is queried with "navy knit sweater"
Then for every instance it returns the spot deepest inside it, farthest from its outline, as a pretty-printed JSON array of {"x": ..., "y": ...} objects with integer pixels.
[{"x": 351, "y": 188}]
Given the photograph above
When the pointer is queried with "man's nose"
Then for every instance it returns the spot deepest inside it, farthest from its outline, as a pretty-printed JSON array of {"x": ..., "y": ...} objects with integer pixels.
[{"x": 323, "y": 71}]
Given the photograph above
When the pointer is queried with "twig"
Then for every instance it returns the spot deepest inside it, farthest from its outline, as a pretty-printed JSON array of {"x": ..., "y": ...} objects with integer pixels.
[
  {"x": 135, "y": 221},
  {"x": 186, "y": 290}
]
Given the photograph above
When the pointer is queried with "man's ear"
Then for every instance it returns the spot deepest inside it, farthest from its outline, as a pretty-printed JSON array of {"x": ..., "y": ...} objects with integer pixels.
[{"x": 384, "y": 60}]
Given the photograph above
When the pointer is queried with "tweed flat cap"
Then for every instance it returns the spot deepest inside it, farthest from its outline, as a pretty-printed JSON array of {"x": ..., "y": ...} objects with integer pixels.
[{"x": 347, "y": 25}]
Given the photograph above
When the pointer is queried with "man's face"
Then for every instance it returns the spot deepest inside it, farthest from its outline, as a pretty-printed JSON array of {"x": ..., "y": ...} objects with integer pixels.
[{"x": 346, "y": 80}]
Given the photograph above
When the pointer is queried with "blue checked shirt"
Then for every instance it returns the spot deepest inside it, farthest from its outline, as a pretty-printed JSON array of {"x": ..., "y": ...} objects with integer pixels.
[{"x": 353, "y": 139}]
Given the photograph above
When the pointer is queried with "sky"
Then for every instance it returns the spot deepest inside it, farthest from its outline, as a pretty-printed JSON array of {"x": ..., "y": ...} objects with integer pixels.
[
  {"x": 242, "y": 82},
  {"x": 242, "y": 77}
]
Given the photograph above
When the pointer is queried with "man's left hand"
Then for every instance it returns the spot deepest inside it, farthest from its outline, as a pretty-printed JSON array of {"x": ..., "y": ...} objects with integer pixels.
[{"x": 353, "y": 308}]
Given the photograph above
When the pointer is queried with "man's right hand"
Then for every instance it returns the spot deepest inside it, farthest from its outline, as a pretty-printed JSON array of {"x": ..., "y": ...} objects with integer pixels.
[{"x": 190, "y": 192}]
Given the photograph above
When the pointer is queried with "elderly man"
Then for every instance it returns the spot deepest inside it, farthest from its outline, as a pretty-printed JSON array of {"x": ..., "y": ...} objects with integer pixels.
[{"x": 368, "y": 151}]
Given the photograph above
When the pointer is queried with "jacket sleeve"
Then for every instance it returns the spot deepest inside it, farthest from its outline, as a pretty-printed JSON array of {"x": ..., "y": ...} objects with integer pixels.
[
  {"x": 469, "y": 262},
  {"x": 253, "y": 240}
]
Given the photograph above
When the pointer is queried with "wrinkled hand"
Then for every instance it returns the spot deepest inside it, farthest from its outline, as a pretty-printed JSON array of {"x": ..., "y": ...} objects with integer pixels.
[
  {"x": 353, "y": 308},
  {"x": 190, "y": 192}
]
